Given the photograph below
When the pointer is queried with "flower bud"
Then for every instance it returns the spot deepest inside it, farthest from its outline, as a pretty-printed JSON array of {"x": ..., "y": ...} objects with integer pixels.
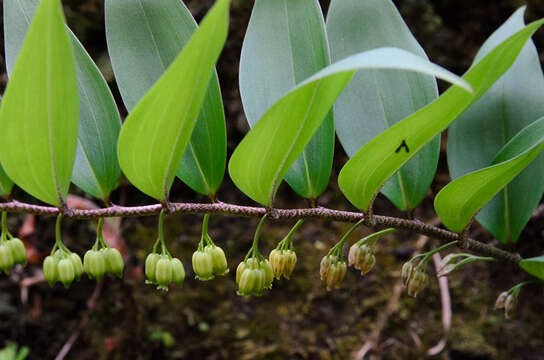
[
  {"x": 219, "y": 259},
  {"x": 268, "y": 274},
  {"x": 202, "y": 265},
  {"x": 246, "y": 264},
  {"x": 94, "y": 264},
  {"x": 325, "y": 265},
  {"x": 445, "y": 270},
  {"x": 364, "y": 259},
  {"x": 151, "y": 267},
  {"x": 418, "y": 282},
  {"x": 178, "y": 272},
  {"x": 6, "y": 259},
  {"x": 239, "y": 271},
  {"x": 114, "y": 262},
  {"x": 509, "y": 305},
  {"x": 335, "y": 275},
  {"x": 448, "y": 259},
  {"x": 17, "y": 250},
  {"x": 291, "y": 261},
  {"x": 251, "y": 282},
  {"x": 76, "y": 263},
  {"x": 163, "y": 273},
  {"x": 407, "y": 270},
  {"x": 354, "y": 255},
  {"x": 66, "y": 271},
  {"x": 50, "y": 272},
  {"x": 275, "y": 258},
  {"x": 501, "y": 300}
]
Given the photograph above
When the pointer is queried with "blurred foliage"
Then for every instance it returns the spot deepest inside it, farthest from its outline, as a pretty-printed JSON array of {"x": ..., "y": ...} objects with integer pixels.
[{"x": 12, "y": 352}]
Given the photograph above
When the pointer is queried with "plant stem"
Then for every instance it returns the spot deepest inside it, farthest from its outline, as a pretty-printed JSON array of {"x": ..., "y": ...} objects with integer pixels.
[
  {"x": 254, "y": 250},
  {"x": 428, "y": 254},
  {"x": 4, "y": 228},
  {"x": 161, "y": 233},
  {"x": 217, "y": 208},
  {"x": 375, "y": 237},
  {"x": 58, "y": 235}
]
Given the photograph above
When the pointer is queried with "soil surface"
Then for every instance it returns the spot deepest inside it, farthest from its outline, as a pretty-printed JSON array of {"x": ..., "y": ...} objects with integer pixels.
[{"x": 297, "y": 319}]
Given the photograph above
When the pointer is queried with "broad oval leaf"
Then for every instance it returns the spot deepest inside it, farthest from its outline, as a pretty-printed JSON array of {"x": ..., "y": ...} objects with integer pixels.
[
  {"x": 512, "y": 103},
  {"x": 96, "y": 169},
  {"x": 459, "y": 201},
  {"x": 534, "y": 266},
  {"x": 262, "y": 159},
  {"x": 144, "y": 37},
  {"x": 285, "y": 43},
  {"x": 5, "y": 182},
  {"x": 39, "y": 114},
  {"x": 375, "y": 100},
  {"x": 366, "y": 172},
  {"x": 156, "y": 133}
]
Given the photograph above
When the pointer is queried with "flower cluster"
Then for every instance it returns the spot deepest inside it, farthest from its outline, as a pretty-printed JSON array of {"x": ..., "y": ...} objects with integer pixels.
[
  {"x": 283, "y": 262},
  {"x": 507, "y": 300},
  {"x": 254, "y": 275},
  {"x": 102, "y": 259},
  {"x": 283, "y": 258},
  {"x": 208, "y": 260},
  {"x": 414, "y": 278},
  {"x": 361, "y": 257},
  {"x": 12, "y": 252},
  {"x": 163, "y": 269},
  {"x": 62, "y": 266},
  {"x": 332, "y": 270},
  {"x": 106, "y": 261}
]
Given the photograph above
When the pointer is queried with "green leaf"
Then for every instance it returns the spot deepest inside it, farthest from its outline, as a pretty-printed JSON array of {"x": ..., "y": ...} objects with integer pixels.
[
  {"x": 5, "y": 182},
  {"x": 366, "y": 172},
  {"x": 96, "y": 169},
  {"x": 144, "y": 38},
  {"x": 156, "y": 133},
  {"x": 534, "y": 266},
  {"x": 459, "y": 201},
  {"x": 262, "y": 159},
  {"x": 375, "y": 100},
  {"x": 512, "y": 103},
  {"x": 284, "y": 44},
  {"x": 39, "y": 115}
]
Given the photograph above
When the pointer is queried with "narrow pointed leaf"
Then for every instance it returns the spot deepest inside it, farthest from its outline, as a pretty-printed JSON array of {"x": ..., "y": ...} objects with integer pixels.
[
  {"x": 534, "y": 266},
  {"x": 96, "y": 169},
  {"x": 459, "y": 201},
  {"x": 512, "y": 103},
  {"x": 366, "y": 172},
  {"x": 285, "y": 43},
  {"x": 375, "y": 100},
  {"x": 5, "y": 182},
  {"x": 144, "y": 37},
  {"x": 156, "y": 133},
  {"x": 39, "y": 114},
  {"x": 262, "y": 159}
]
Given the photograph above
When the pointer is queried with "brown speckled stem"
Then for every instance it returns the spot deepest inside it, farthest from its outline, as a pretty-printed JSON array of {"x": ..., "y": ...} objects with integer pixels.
[{"x": 220, "y": 208}]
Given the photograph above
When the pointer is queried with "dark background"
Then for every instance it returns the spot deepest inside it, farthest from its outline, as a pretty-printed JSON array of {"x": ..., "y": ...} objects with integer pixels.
[{"x": 298, "y": 319}]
